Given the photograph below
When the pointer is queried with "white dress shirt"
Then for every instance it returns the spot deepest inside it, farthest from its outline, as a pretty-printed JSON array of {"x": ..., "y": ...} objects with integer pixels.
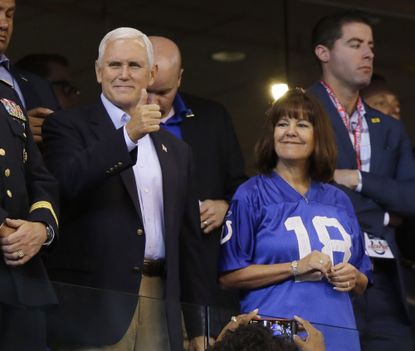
[{"x": 149, "y": 181}]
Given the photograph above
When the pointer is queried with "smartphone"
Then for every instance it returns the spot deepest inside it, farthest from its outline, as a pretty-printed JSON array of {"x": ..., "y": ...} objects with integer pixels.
[{"x": 281, "y": 327}]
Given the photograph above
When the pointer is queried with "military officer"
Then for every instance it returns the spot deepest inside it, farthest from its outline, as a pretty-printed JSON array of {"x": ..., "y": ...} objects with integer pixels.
[{"x": 28, "y": 223}]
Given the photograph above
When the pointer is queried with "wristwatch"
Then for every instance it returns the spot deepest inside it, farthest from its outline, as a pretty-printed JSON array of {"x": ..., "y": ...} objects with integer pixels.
[
  {"x": 294, "y": 268},
  {"x": 50, "y": 234}
]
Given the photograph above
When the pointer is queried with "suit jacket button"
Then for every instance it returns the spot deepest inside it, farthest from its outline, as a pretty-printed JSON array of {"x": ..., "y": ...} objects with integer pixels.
[
  {"x": 2, "y": 152},
  {"x": 136, "y": 269},
  {"x": 140, "y": 231},
  {"x": 9, "y": 193},
  {"x": 7, "y": 172}
]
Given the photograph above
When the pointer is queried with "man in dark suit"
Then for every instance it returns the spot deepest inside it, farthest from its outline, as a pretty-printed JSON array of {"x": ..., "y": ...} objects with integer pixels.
[
  {"x": 129, "y": 216},
  {"x": 28, "y": 222},
  {"x": 35, "y": 93},
  {"x": 375, "y": 167},
  {"x": 207, "y": 128}
]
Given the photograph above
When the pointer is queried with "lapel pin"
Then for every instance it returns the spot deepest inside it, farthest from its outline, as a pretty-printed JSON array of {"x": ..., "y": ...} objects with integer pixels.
[
  {"x": 375, "y": 120},
  {"x": 189, "y": 113},
  {"x": 163, "y": 147}
]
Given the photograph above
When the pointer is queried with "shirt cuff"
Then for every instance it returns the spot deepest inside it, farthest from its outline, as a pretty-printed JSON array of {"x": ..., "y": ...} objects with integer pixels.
[
  {"x": 359, "y": 185},
  {"x": 131, "y": 145},
  {"x": 386, "y": 219}
]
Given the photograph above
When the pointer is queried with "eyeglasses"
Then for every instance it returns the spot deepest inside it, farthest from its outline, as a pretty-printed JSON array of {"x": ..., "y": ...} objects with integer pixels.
[{"x": 66, "y": 86}]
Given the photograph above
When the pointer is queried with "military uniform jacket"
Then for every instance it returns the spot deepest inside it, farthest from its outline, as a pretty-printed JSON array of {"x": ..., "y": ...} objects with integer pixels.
[{"x": 28, "y": 192}]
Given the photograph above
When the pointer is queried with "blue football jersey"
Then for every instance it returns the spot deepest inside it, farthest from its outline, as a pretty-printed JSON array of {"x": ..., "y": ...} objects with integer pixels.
[{"x": 269, "y": 222}]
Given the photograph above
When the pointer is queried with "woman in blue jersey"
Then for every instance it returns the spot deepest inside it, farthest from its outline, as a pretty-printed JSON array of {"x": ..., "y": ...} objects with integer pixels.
[{"x": 291, "y": 241}]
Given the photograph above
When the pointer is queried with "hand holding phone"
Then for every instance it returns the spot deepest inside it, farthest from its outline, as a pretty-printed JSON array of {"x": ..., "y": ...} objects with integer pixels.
[{"x": 281, "y": 327}]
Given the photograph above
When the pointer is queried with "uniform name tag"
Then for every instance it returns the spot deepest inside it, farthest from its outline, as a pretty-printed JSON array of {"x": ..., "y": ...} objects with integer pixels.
[{"x": 377, "y": 247}]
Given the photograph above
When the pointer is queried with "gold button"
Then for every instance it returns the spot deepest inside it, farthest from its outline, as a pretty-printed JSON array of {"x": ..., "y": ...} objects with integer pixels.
[
  {"x": 9, "y": 193},
  {"x": 140, "y": 231},
  {"x": 2, "y": 152},
  {"x": 119, "y": 164},
  {"x": 7, "y": 172}
]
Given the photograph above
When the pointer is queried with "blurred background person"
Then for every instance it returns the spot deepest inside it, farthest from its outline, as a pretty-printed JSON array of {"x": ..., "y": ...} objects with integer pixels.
[
  {"x": 290, "y": 240},
  {"x": 35, "y": 93},
  {"x": 28, "y": 224},
  {"x": 380, "y": 96},
  {"x": 56, "y": 69}
]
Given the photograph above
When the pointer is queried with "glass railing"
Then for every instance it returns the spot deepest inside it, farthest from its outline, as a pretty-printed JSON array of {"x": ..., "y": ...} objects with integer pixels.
[{"x": 87, "y": 317}]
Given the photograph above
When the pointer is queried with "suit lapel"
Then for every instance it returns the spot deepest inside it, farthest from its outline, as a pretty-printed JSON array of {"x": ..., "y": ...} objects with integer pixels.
[
  {"x": 346, "y": 155},
  {"x": 101, "y": 124},
  {"x": 163, "y": 151}
]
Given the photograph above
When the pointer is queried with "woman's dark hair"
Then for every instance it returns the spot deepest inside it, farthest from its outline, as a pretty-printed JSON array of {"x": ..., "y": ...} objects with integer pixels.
[{"x": 298, "y": 104}]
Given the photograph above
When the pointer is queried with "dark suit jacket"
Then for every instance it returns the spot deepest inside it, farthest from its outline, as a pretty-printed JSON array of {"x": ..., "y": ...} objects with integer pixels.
[
  {"x": 102, "y": 242},
  {"x": 390, "y": 184},
  {"x": 219, "y": 169},
  {"x": 36, "y": 91},
  {"x": 219, "y": 165},
  {"x": 33, "y": 194}
]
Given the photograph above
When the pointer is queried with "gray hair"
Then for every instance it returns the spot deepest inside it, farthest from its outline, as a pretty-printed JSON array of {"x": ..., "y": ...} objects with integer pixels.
[{"x": 126, "y": 33}]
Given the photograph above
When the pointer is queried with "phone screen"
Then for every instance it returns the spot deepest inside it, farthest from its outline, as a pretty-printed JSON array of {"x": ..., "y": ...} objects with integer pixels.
[{"x": 285, "y": 328}]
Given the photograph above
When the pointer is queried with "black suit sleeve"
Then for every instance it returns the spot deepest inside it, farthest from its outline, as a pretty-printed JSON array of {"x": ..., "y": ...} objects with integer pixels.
[
  {"x": 79, "y": 161},
  {"x": 395, "y": 193}
]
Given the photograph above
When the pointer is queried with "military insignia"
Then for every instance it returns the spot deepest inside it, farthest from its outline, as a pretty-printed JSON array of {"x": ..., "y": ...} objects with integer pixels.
[
  {"x": 13, "y": 109},
  {"x": 375, "y": 120},
  {"x": 24, "y": 156},
  {"x": 163, "y": 147}
]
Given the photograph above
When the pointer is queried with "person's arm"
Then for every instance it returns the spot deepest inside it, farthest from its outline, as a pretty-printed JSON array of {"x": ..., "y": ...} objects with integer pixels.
[
  {"x": 36, "y": 118},
  {"x": 395, "y": 191},
  {"x": 213, "y": 210},
  {"x": 255, "y": 276},
  {"x": 81, "y": 157},
  {"x": 22, "y": 238},
  {"x": 236, "y": 321}
]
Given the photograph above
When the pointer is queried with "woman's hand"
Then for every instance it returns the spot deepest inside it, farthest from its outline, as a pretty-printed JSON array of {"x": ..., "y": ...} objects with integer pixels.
[
  {"x": 316, "y": 264},
  {"x": 343, "y": 276}
]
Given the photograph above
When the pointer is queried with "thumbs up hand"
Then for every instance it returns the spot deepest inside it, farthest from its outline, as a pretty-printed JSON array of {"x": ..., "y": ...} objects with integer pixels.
[{"x": 145, "y": 118}]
